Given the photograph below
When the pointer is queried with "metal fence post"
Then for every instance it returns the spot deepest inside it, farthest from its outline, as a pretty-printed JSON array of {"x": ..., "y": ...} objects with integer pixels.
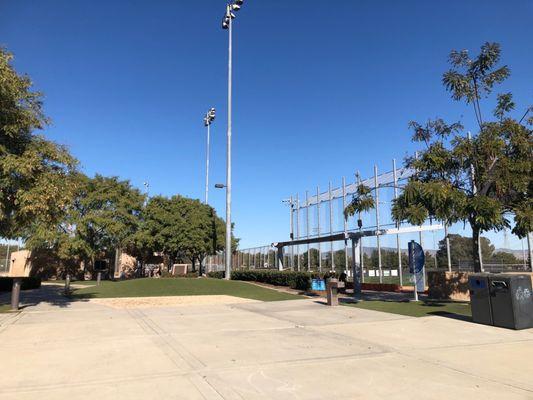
[
  {"x": 376, "y": 187},
  {"x": 530, "y": 251},
  {"x": 345, "y": 223},
  {"x": 318, "y": 227},
  {"x": 357, "y": 270},
  {"x": 448, "y": 250},
  {"x": 307, "y": 229},
  {"x": 360, "y": 242},
  {"x": 424, "y": 268},
  {"x": 398, "y": 247},
  {"x": 331, "y": 226},
  {"x": 252, "y": 252},
  {"x": 7, "y": 258},
  {"x": 298, "y": 229},
  {"x": 291, "y": 253}
]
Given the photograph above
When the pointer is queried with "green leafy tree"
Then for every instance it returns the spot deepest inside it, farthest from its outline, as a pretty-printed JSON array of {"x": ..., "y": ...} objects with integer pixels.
[
  {"x": 35, "y": 173},
  {"x": 477, "y": 180},
  {"x": 502, "y": 257},
  {"x": 182, "y": 229},
  {"x": 314, "y": 259},
  {"x": 339, "y": 257},
  {"x": 461, "y": 252},
  {"x": 362, "y": 201},
  {"x": 430, "y": 260},
  {"x": 389, "y": 259},
  {"x": 103, "y": 217},
  {"x": 205, "y": 233},
  {"x": 141, "y": 244}
]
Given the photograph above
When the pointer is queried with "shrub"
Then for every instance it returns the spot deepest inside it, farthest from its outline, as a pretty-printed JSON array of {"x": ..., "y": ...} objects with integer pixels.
[
  {"x": 216, "y": 274},
  {"x": 293, "y": 279},
  {"x": 6, "y": 284}
]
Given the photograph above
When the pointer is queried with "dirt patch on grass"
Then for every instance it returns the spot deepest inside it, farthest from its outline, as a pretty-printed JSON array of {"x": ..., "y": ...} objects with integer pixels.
[{"x": 169, "y": 301}]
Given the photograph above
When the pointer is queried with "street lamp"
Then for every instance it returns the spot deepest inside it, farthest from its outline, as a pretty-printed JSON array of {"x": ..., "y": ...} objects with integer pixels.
[
  {"x": 227, "y": 23},
  {"x": 208, "y": 120}
]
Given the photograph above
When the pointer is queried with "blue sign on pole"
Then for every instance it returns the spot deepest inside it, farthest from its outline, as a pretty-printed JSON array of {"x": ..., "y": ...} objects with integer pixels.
[{"x": 417, "y": 258}]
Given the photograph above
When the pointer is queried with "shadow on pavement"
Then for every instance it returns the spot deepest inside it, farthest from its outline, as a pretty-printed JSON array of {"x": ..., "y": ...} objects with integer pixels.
[
  {"x": 452, "y": 315},
  {"x": 48, "y": 294},
  {"x": 440, "y": 308}
]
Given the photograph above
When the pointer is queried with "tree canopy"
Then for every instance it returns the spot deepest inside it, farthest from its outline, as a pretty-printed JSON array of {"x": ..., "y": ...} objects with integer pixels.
[
  {"x": 35, "y": 173},
  {"x": 482, "y": 179},
  {"x": 181, "y": 228},
  {"x": 52, "y": 206},
  {"x": 461, "y": 251},
  {"x": 102, "y": 216}
]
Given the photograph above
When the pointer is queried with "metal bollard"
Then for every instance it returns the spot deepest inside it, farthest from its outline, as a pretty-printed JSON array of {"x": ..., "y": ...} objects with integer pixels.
[
  {"x": 67, "y": 285},
  {"x": 332, "y": 292},
  {"x": 15, "y": 294}
]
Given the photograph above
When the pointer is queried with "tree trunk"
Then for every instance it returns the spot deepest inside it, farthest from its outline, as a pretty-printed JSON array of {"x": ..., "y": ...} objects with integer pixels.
[
  {"x": 92, "y": 262},
  {"x": 476, "y": 249},
  {"x": 170, "y": 263}
]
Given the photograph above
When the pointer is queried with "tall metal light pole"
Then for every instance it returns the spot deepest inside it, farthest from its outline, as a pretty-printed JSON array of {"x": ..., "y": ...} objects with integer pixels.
[
  {"x": 227, "y": 23},
  {"x": 208, "y": 120}
]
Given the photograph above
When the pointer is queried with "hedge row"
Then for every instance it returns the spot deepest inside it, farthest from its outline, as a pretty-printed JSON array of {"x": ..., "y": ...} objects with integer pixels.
[
  {"x": 6, "y": 284},
  {"x": 216, "y": 274},
  {"x": 293, "y": 279}
]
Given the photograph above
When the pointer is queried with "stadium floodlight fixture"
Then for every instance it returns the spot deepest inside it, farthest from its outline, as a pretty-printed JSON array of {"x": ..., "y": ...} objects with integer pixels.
[
  {"x": 208, "y": 120},
  {"x": 209, "y": 117}
]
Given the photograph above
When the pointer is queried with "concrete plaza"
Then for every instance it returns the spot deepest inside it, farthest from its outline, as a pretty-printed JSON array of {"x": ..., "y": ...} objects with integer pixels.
[{"x": 297, "y": 349}]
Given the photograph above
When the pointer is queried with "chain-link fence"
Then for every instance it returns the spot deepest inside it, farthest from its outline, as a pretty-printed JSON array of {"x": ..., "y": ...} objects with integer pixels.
[{"x": 6, "y": 250}]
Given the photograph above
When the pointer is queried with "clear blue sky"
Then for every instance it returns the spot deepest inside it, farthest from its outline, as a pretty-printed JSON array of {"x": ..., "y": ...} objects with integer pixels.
[{"x": 321, "y": 88}]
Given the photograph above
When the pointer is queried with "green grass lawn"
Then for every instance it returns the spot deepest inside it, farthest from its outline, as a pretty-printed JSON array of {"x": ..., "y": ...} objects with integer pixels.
[
  {"x": 5, "y": 308},
  {"x": 149, "y": 287},
  {"x": 387, "y": 279},
  {"x": 62, "y": 282},
  {"x": 416, "y": 309}
]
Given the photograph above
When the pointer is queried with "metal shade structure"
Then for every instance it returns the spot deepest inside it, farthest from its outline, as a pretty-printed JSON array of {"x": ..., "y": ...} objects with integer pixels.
[{"x": 355, "y": 238}]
